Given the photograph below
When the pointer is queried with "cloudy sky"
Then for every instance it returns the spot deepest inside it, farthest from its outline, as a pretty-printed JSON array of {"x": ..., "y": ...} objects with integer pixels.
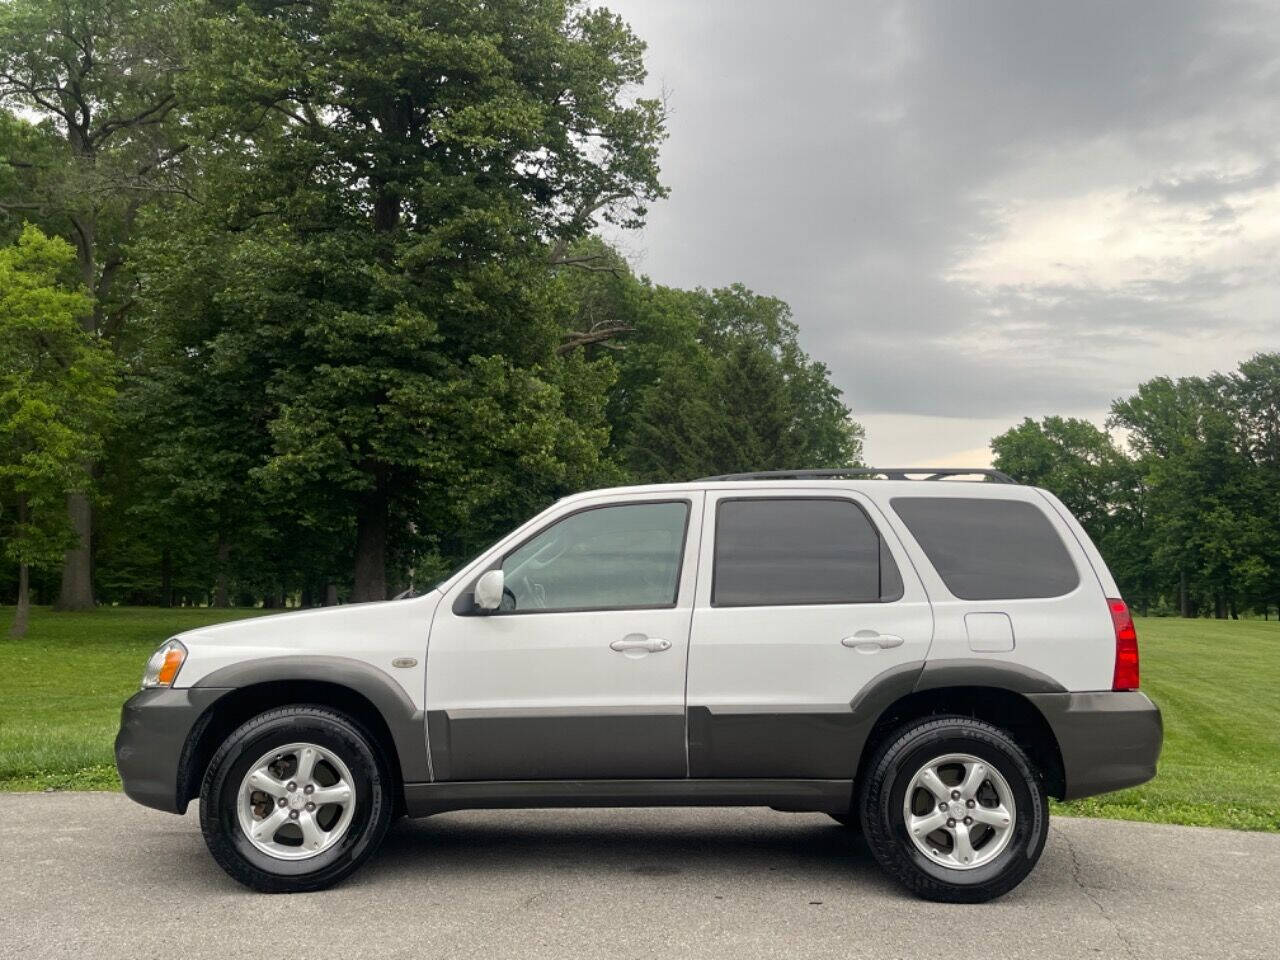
[{"x": 978, "y": 211}]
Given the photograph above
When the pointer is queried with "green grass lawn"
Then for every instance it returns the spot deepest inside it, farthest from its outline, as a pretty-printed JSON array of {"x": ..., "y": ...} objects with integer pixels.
[
  {"x": 1218, "y": 683},
  {"x": 62, "y": 685}
]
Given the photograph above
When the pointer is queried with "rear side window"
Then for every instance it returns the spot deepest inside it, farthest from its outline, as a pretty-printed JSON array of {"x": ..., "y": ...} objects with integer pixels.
[
  {"x": 778, "y": 551},
  {"x": 990, "y": 549}
]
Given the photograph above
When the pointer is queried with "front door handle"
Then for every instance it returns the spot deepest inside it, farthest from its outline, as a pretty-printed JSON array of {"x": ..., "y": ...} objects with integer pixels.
[
  {"x": 639, "y": 642},
  {"x": 868, "y": 641}
]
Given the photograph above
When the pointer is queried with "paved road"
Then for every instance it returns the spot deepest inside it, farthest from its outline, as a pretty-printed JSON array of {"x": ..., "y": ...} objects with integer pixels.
[{"x": 95, "y": 876}]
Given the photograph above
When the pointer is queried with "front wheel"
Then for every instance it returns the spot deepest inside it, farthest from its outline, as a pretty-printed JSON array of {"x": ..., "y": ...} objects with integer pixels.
[
  {"x": 295, "y": 800},
  {"x": 952, "y": 808}
]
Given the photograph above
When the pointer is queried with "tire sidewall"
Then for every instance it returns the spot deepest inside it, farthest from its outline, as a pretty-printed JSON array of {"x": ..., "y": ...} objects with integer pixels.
[
  {"x": 220, "y": 798},
  {"x": 905, "y": 755}
]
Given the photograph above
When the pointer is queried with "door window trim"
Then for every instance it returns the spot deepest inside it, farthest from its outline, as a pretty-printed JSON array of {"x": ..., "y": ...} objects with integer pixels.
[
  {"x": 883, "y": 548},
  {"x": 466, "y": 599}
]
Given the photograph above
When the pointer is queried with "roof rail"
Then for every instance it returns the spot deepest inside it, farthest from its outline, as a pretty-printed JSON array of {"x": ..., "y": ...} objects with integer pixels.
[{"x": 886, "y": 473}]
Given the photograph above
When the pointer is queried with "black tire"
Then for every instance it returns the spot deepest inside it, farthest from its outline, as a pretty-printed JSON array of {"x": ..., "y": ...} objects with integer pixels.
[
  {"x": 331, "y": 730},
  {"x": 884, "y": 788}
]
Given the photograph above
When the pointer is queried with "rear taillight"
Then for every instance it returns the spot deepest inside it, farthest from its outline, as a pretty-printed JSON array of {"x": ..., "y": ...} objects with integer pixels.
[{"x": 1126, "y": 673}]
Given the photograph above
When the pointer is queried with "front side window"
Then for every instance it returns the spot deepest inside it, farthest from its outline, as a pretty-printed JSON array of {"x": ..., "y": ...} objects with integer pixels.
[
  {"x": 604, "y": 558},
  {"x": 990, "y": 549},
  {"x": 779, "y": 551}
]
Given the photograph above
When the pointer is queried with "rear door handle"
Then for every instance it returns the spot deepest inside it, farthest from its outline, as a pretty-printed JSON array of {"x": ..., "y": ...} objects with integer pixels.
[
  {"x": 637, "y": 642},
  {"x": 868, "y": 641}
]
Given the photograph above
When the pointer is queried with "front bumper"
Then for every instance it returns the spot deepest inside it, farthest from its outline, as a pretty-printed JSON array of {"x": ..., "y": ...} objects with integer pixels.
[
  {"x": 155, "y": 726},
  {"x": 1108, "y": 741}
]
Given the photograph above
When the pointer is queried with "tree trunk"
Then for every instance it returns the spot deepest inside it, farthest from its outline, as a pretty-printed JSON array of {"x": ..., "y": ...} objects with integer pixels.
[
  {"x": 166, "y": 577},
  {"x": 371, "y": 546},
  {"x": 224, "y": 555},
  {"x": 1184, "y": 606},
  {"x": 77, "y": 563},
  {"x": 331, "y": 594},
  {"x": 1219, "y": 607},
  {"x": 23, "y": 613}
]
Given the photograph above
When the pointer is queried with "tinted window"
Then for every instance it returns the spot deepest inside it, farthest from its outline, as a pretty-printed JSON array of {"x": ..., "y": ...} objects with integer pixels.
[
  {"x": 779, "y": 551},
  {"x": 601, "y": 559},
  {"x": 990, "y": 549}
]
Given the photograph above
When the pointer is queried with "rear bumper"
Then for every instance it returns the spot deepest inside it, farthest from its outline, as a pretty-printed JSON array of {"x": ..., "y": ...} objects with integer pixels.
[
  {"x": 155, "y": 726},
  {"x": 1108, "y": 741}
]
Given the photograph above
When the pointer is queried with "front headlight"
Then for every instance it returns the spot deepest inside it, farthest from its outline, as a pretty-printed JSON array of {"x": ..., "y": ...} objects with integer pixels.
[{"x": 162, "y": 668}]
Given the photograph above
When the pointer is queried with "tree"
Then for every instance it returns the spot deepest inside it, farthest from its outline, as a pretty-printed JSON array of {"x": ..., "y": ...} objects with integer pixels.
[
  {"x": 1183, "y": 435},
  {"x": 56, "y": 389},
  {"x": 1101, "y": 486},
  {"x": 98, "y": 75},
  {"x": 1189, "y": 512},
  {"x": 741, "y": 396},
  {"x": 399, "y": 183}
]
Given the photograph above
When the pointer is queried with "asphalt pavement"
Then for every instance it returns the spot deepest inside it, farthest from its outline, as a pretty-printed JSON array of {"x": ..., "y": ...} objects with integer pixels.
[{"x": 93, "y": 875}]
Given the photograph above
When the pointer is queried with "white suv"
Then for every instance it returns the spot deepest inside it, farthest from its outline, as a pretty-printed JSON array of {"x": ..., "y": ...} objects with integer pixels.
[{"x": 928, "y": 661}]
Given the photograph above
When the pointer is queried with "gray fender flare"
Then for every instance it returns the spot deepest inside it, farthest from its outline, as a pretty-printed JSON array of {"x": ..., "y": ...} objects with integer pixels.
[
  {"x": 985, "y": 673},
  {"x": 405, "y": 721},
  {"x": 917, "y": 676}
]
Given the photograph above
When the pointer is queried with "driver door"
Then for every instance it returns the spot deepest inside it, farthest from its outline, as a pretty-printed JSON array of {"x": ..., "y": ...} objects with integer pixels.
[{"x": 581, "y": 673}]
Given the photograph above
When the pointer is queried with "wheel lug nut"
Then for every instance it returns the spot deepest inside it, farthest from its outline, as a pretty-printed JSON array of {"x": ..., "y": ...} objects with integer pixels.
[
  {"x": 955, "y": 794},
  {"x": 293, "y": 814},
  {"x": 309, "y": 788},
  {"x": 283, "y": 802},
  {"x": 969, "y": 804},
  {"x": 942, "y": 806},
  {"x": 291, "y": 786},
  {"x": 950, "y": 822},
  {"x": 968, "y": 820},
  {"x": 311, "y": 806}
]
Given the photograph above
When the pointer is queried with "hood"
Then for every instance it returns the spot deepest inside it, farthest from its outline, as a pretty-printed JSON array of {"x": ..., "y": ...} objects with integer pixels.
[{"x": 375, "y": 633}]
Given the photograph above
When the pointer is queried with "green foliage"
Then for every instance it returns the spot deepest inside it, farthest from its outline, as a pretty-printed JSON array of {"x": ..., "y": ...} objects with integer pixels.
[
  {"x": 708, "y": 381},
  {"x": 56, "y": 389},
  {"x": 371, "y": 327},
  {"x": 758, "y": 401},
  {"x": 98, "y": 78},
  {"x": 1186, "y": 517}
]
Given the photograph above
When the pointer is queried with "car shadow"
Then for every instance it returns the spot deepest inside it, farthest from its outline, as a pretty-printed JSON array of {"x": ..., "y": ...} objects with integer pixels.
[{"x": 610, "y": 843}]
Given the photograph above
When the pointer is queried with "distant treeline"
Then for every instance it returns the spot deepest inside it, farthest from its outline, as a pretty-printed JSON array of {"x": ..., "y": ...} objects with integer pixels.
[{"x": 1186, "y": 510}]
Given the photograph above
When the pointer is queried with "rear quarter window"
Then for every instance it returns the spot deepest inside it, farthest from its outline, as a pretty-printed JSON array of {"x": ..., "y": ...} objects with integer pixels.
[{"x": 990, "y": 549}]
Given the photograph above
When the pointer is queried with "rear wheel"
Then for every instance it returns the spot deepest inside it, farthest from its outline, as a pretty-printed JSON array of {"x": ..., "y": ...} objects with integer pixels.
[
  {"x": 954, "y": 810},
  {"x": 294, "y": 800}
]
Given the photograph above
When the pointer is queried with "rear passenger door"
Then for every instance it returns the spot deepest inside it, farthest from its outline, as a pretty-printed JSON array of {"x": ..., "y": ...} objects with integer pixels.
[{"x": 801, "y": 602}]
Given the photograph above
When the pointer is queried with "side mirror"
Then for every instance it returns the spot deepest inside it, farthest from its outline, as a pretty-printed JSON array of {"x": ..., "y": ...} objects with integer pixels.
[{"x": 489, "y": 590}]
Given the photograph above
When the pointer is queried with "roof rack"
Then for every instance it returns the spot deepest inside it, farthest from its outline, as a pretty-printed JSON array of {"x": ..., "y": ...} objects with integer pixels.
[{"x": 887, "y": 473}]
